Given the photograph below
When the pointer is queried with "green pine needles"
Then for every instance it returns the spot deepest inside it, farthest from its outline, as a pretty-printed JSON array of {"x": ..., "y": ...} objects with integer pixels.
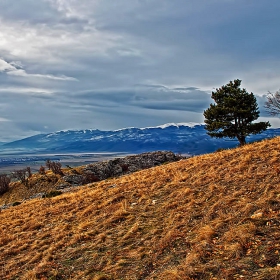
[{"x": 234, "y": 113}]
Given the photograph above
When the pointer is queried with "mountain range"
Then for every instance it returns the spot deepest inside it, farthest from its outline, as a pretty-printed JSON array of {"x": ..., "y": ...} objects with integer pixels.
[{"x": 182, "y": 138}]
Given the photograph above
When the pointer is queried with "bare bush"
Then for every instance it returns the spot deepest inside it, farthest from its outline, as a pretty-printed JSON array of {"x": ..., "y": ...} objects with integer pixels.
[
  {"x": 48, "y": 164},
  {"x": 4, "y": 183},
  {"x": 28, "y": 171},
  {"x": 55, "y": 167},
  {"x": 22, "y": 175},
  {"x": 42, "y": 170}
]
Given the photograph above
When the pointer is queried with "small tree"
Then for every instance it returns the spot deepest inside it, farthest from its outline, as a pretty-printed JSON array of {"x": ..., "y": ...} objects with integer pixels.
[
  {"x": 233, "y": 114},
  {"x": 4, "y": 183},
  {"x": 272, "y": 104}
]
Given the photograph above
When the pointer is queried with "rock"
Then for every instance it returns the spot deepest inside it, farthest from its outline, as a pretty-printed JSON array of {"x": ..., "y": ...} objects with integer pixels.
[
  {"x": 119, "y": 166},
  {"x": 62, "y": 186},
  {"x": 74, "y": 179},
  {"x": 37, "y": 195}
]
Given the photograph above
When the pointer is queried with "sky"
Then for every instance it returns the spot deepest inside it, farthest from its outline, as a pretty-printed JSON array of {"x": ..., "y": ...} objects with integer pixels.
[{"x": 111, "y": 64}]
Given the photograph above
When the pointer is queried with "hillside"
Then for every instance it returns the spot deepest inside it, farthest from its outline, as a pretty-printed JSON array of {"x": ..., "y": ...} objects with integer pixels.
[
  {"x": 215, "y": 216},
  {"x": 40, "y": 185}
]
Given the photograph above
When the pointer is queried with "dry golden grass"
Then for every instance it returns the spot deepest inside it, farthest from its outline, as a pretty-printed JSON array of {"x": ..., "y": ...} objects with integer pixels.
[
  {"x": 215, "y": 216},
  {"x": 37, "y": 184}
]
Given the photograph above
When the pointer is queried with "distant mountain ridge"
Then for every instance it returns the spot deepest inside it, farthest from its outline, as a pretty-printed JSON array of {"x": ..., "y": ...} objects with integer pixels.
[{"x": 176, "y": 137}]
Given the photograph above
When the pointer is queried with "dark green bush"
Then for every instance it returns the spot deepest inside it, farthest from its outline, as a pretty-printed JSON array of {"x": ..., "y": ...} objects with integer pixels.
[
  {"x": 52, "y": 194},
  {"x": 220, "y": 150},
  {"x": 16, "y": 203}
]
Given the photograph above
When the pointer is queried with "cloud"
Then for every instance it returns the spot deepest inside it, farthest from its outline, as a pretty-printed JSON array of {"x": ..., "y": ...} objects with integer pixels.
[
  {"x": 112, "y": 64},
  {"x": 13, "y": 68},
  {"x": 131, "y": 41},
  {"x": 4, "y": 66},
  {"x": 4, "y": 120},
  {"x": 154, "y": 97},
  {"x": 25, "y": 90},
  {"x": 23, "y": 73}
]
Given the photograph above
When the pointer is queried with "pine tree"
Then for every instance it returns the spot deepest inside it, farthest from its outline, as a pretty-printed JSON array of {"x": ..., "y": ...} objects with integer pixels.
[{"x": 233, "y": 114}]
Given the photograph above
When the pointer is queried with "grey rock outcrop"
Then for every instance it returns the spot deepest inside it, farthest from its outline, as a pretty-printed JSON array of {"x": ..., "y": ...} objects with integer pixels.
[
  {"x": 120, "y": 166},
  {"x": 73, "y": 179}
]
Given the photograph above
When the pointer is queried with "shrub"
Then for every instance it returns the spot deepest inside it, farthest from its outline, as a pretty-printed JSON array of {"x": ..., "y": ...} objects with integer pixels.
[
  {"x": 28, "y": 171},
  {"x": 124, "y": 167},
  {"x": 55, "y": 167},
  {"x": 220, "y": 150},
  {"x": 52, "y": 194},
  {"x": 4, "y": 183},
  {"x": 16, "y": 203},
  {"x": 22, "y": 175},
  {"x": 48, "y": 164},
  {"x": 42, "y": 170},
  {"x": 89, "y": 178}
]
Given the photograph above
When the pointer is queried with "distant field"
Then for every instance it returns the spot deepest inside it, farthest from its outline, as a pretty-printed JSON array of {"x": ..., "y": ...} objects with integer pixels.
[{"x": 9, "y": 163}]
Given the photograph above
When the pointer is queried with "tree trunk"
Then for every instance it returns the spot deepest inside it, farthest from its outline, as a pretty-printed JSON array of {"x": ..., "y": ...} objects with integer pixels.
[{"x": 242, "y": 140}]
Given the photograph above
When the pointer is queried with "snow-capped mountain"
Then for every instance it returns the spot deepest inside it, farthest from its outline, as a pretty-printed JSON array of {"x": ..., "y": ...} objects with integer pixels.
[{"x": 179, "y": 138}]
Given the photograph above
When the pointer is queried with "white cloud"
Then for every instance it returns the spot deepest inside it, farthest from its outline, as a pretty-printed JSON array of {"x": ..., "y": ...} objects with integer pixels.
[
  {"x": 10, "y": 69},
  {"x": 25, "y": 90},
  {"x": 4, "y": 66},
  {"x": 4, "y": 120},
  {"x": 72, "y": 8},
  {"x": 23, "y": 73}
]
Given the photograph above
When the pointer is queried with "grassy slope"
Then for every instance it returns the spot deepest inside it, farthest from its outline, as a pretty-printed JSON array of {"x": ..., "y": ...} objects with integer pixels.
[
  {"x": 215, "y": 216},
  {"x": 37, "y": 184}
]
